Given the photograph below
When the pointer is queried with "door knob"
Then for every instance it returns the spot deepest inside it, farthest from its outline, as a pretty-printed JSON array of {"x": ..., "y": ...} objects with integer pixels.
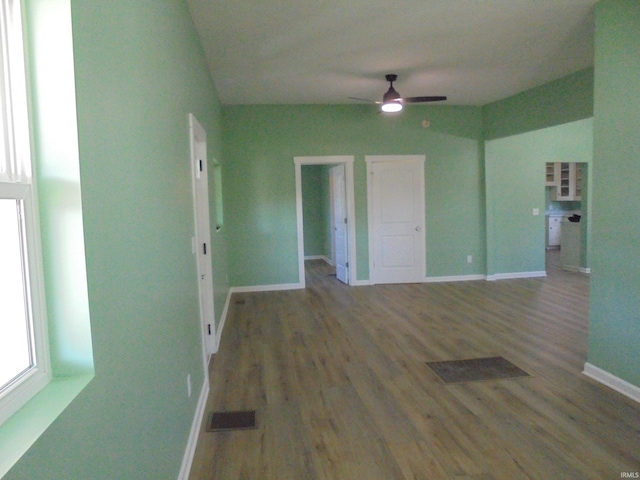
[{"x": 417, "y": 229}]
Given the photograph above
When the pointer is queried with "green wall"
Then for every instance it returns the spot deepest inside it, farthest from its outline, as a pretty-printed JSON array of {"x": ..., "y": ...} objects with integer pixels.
[
  {"x": 139, "y": 72},
  {"x": 614, "y": 329},
  {"x": 515, "y": 169},
  {"x": 261, "y": 142},
  {"x": 555, "y": 103}
]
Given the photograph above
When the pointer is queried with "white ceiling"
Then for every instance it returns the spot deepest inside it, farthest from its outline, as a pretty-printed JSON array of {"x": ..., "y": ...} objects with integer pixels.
[{"x": 324, "y": 51}]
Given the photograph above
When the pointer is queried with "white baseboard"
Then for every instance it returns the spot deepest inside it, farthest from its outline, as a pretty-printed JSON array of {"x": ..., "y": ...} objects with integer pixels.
[
  {"x": 360, "y": 283},
  {"x": 509, "y": 276},
  {"x": 223, "y": 319},
  {"x": 611, "y": 381},
  {"x": 320, "y": 257},
  {"x": 455, "y": 278},
  {"x": 586, "y": 270},
  {"x": 267, "y": 288},
  {"x": 190, "y": 450},
  {"x": 571, "y": 268}
]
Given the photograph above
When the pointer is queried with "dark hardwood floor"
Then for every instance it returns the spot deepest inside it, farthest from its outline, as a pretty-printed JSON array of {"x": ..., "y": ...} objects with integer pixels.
[{"x": 338, "y": 379}]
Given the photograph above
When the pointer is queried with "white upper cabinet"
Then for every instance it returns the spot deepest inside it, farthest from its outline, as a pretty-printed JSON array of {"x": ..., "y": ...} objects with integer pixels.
[
  {"x": 567, "y": 181},
  {"x": 552, "y": 174}
]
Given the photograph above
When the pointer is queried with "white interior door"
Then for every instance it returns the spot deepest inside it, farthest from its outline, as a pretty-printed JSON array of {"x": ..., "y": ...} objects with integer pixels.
[
  {"x": 202, "y": 238},
  {"x": 396, "y": 209},
  {"x": 340, "y": 216}
]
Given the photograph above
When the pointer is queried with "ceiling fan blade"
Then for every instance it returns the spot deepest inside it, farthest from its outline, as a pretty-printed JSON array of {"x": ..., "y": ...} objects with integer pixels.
[
  {"x": 362, "y": 99},
  {"x": 423, "y": 99}
]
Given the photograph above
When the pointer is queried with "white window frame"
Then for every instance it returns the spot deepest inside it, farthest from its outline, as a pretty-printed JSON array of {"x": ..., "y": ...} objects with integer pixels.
[{"x": 16, "y": 182}]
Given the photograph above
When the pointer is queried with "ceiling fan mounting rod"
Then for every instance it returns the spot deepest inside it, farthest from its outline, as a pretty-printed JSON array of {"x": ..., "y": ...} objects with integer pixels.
[{"x": 391, "y": 101}]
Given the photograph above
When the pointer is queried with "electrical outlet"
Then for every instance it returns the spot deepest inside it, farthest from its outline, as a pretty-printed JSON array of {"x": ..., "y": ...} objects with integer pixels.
[
  {"x": 536, "y": 211},
  {"x": 469, "y": 259},
  {"x": 189, "y": 385}
]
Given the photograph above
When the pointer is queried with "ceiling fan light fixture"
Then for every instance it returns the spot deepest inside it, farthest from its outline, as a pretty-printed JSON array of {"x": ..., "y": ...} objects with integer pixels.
[
  {"x": 391, "y": 107},
  {"x": 391, "y": 101}
]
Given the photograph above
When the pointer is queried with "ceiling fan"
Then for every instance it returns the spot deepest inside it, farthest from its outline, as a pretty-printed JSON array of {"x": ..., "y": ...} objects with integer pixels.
[{"x": 393, "y": 102}]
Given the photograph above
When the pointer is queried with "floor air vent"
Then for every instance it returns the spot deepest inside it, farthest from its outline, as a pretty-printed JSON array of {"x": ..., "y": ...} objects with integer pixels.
[
  {"x": 227, "y": 421},
  {"x": 476, "y": 370}
]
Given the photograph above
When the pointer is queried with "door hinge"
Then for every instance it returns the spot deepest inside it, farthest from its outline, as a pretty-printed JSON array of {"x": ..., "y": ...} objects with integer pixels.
[
  {"x": 346, "y": 265},
  {"x": 200, "y": 162},
  {"x": 204, "y": 248},
  {"x": 345, "y": 220},
  {"x": 209, "y": 328}
]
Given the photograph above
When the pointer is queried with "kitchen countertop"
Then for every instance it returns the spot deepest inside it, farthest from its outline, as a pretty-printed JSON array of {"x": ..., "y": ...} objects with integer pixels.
[{"x": 560, "y": 213}]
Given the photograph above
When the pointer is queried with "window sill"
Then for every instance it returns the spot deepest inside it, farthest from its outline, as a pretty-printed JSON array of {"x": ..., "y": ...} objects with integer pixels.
[{"x": 21, "y": 431}]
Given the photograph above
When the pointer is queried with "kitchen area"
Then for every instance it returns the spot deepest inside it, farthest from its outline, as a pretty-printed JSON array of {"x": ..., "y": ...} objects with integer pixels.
[{"x": 565, "y": 185}]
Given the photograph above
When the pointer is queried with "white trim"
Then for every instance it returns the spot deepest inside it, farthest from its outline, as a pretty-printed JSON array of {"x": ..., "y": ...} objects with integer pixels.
[
  {"x": 443, "y": 279},
  {"x": 18, "y": 182},
  {"x": 320, "y": 257},
  {"x": 455, "y": 278},
  {"x": 586, "y": 270},
  {"x": 347, "y": 160},
  {"x": 268, "y": 288},
  {"x": 611, "y": 381},
  {"x": 190, "y": 450},
  {"x": 509, "y": 276},
  {"x": 223, "y": 320},
  {"x": 571, "y": 268},
  {"x": 201, "y": 218},
  {"x": 39, "y": 374}
]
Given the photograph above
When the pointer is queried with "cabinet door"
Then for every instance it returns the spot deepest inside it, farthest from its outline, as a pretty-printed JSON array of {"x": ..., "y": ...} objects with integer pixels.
[
  {"x": 552, "y": 174},
  {"x": 554, "y": 231},
  {"x": 577, "y": 181},
  {"x": 564, "y": 186}
]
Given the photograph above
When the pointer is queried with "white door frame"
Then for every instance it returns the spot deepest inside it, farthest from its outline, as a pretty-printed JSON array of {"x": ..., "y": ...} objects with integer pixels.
[
  {"x": 347, "y": 160},
  {"x": 370, "y": 160},
  {"x": 201, "y": 245}
]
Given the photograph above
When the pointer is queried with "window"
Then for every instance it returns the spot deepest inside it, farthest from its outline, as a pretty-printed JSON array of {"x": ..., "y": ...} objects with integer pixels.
[{"x": 24, "y": 362}]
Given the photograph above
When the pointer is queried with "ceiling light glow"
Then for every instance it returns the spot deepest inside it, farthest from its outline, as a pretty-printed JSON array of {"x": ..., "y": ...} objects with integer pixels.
[{"x": 391, "y": 107}]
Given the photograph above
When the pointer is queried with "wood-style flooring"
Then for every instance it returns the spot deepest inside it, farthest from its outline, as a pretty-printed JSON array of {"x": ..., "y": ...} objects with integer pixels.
[{"x": 338, "y": 379}]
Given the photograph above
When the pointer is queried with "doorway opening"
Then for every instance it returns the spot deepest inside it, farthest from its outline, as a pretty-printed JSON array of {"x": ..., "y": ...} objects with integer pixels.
[
  {"x": 566, "y": 217},
  {"x": 326, "y": 214}
]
